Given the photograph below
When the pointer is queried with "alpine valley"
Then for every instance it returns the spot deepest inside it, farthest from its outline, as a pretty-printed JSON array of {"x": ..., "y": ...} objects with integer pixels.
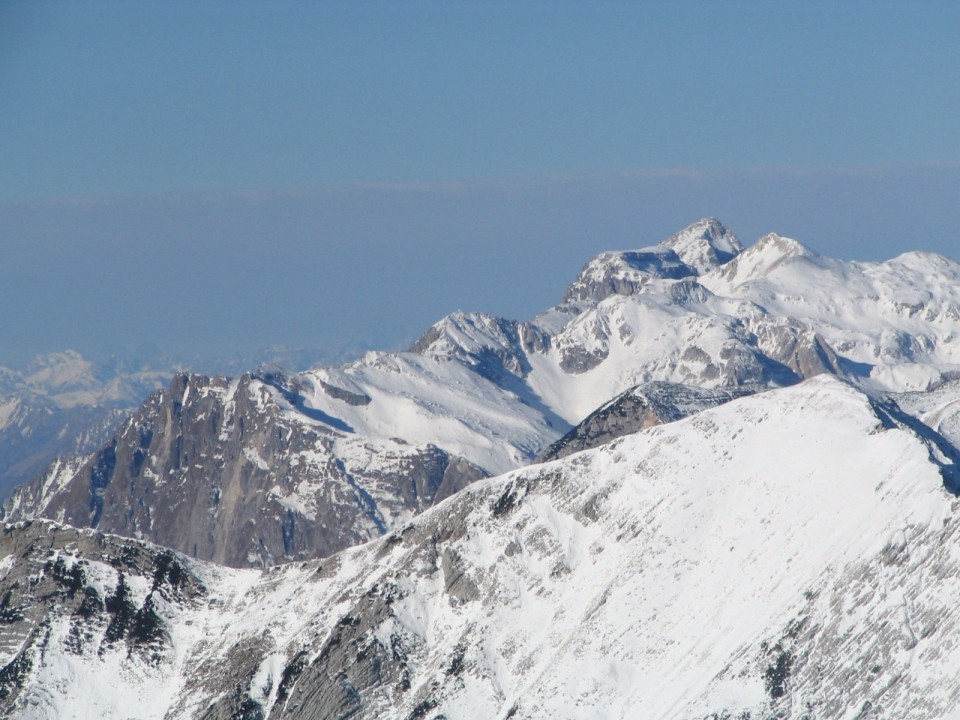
[{"x": 712, "y": 482}]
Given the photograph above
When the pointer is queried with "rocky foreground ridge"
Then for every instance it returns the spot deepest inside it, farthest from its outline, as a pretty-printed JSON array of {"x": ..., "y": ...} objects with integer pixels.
[{"x": 789, "y": 554}]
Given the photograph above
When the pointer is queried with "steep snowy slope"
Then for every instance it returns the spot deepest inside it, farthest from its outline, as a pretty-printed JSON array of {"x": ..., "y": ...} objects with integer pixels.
[{"x": 791, "y": 554}]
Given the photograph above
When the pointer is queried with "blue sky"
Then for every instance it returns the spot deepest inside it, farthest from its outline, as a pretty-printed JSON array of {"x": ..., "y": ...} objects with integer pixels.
[{"x": 215, "y": 177}]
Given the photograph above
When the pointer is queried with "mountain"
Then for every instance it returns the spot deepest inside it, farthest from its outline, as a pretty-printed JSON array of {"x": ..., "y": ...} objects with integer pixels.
[
  {"x": 892, "y": 324},
  {"x": 788, "y": 554},
  {"x": 64, "y": 404},
  {"x": 225, "y": 470},
  {"x": 69, "y": 380},
  {"x": 336, "y": 451}
]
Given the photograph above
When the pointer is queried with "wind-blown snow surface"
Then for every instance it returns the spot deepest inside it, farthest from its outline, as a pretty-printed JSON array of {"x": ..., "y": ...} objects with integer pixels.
[{"x": 789, "y": 554}]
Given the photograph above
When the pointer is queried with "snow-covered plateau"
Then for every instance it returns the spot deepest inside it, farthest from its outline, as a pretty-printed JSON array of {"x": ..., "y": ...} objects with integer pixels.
[{"x": 790, "y": 554}]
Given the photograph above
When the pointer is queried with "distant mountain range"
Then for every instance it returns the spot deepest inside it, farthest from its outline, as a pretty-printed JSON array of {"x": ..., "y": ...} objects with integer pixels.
[
  {"x": 742, "y": 468},
  {"x": 278, "y": 466},
  {"x": 63, "y": 404}
]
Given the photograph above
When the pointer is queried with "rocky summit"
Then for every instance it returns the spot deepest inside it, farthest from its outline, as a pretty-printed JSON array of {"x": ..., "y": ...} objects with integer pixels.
[{"x": 219, "y": 470}]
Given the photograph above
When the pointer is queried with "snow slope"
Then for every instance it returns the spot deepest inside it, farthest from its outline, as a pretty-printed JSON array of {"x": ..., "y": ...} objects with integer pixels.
[
  {"x": 894, "y": 324},
  {"x": 695, "y": 309},
  {"x": 790, "y": 554}
]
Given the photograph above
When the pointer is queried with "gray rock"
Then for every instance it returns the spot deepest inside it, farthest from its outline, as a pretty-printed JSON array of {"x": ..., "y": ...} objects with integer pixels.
[
  {"x": 219, "y": 470},
  {"x": 638, "y": 408}
]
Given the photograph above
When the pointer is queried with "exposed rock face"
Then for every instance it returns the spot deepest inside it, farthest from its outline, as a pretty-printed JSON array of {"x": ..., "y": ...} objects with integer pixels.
[
  {"x": 639, "y": 408},
  {"x": 502, "y": 352},
  {"x": 700, "y": 248},
  {"x": 625, "y": 273},
  {"x": 79, "y": 594},
  {"x": 217, "y": 469}
]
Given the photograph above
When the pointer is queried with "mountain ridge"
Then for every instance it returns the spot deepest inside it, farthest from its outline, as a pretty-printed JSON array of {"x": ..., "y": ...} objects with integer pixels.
[
  {"x": 611, "y": 581},
  {"x": 482, "y": 395}
]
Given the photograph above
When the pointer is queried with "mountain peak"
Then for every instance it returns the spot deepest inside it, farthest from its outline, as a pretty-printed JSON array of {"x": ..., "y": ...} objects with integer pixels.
[
  {"x": 774, "y": 244},
  {"x": 705, "y": 245},
  {"x": 759, "y": 260},
  {"x": 625, "y": 272},
  {"x": 696, "y": 249}
]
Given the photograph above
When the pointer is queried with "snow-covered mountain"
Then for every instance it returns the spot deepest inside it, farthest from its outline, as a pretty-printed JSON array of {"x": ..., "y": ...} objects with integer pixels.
[
  {"x": 63, "y": 404},
  {"x": 67, "y": 380},
  {"x": 484, "y": 395},
  {"x": 892, "y": 324},
  {"x": 790, "y": 554}
]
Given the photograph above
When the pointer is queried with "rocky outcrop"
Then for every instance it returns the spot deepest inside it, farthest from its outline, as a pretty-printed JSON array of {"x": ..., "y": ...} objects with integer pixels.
[
  {"x": 625, "y": 273},
  {"x": 697, "y": 249},
  {"x": 639, "y": 408},
  {"x": 107, "y": 595},
  {"x": 228, "y": 471}
]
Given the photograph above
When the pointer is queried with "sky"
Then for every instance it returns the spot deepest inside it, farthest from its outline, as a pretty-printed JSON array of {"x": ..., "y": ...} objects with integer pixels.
[{"x": 208, "y": 179}]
